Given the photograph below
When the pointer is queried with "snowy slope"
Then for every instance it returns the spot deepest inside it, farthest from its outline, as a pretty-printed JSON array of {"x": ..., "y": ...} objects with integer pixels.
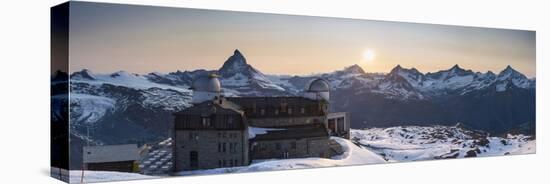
[
  {"x": 121, "y": 78},
  {"x": 397, "y": 144},
  {"x": 411, "y": 143},
  {"x": 104, "y": 176},
  {"x": 353, "y": 155},
  {"x": 371, "y": 146},
  {"x": 88, "y": 108}
]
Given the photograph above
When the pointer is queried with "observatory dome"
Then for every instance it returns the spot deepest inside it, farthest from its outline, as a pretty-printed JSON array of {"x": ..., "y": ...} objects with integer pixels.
[
  {"x": 318, "y": 85},
  {"x": 209, "y": 83}
]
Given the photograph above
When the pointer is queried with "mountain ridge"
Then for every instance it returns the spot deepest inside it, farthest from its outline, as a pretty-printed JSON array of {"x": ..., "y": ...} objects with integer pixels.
[{"x": 141, "y": 104}]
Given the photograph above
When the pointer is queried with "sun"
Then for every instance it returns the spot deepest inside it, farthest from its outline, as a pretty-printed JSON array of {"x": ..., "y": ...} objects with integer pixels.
[{"x": 369, "y": 55}]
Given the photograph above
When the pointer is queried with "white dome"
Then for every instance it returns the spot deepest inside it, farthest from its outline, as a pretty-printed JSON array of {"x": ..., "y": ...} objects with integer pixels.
[
  {"x": 318, "y": 85},
  {"x": 208, "y": 83}
]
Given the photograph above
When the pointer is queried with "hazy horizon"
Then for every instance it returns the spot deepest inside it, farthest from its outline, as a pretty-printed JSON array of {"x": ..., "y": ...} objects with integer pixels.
[
  {"x": 336, "y": 69},
  {"x": 106, "y": 38}
]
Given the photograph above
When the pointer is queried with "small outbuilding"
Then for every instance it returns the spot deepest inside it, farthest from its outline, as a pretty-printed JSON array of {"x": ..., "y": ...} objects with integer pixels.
[{"x": 122, "y": 158}]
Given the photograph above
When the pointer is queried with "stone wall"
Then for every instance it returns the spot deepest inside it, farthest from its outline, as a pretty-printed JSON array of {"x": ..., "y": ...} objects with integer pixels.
[
  {"x": 290, "y": 148},
  {"x": 209, "y": 145},
  {"x": 283, "y": 122}
]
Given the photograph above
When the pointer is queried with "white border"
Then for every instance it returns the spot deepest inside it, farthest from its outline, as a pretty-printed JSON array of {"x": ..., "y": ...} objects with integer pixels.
[{"x": 24, "y": 75}]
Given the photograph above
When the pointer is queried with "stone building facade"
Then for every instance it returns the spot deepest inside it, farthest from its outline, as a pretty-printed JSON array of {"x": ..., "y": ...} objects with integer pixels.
[
  {"x": 222, "y": 131},
  {"x": 296, "y": 142},
  {"x": 210, "y": 135}
]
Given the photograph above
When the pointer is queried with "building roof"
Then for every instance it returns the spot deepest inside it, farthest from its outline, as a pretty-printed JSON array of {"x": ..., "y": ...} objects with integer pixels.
[
  {"x": 253, "y": 105},
  {"x": 216, "y": 106},
  {"x": 337, "y": 114},
  {"x": 293, "y": 132},
  {"x": 272, "y": 101},
  {"x": 208, "y": 83},
  {"x": 110, "y": 153},
  {"x": 232, "y": 118}
]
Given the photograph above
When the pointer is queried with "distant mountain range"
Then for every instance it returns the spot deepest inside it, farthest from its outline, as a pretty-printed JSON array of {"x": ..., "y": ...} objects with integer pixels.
[{"x": 123, "y": 107}]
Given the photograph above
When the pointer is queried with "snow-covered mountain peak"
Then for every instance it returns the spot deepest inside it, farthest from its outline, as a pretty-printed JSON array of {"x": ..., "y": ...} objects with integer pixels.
[
  {"x": 396, "y": 69},
  {"x": 400, "y": 70},
  {"x": 490, "y": 73},
  {"x": 238, "y": 53},
  {"x": 83, "y": 74},
  {"x": 412, "y": 76},
  {"x": 123, "y": 74},
  {"x": 240, "y": 76},
  {"x": 510, "y": 76},
  {"x": 458, "y": 71},
  {"x": 455, "y": 68},
  {"x": 234, "y": 64},
  {"x": 402, "y": 83},
  {"x": 354, "y": 69},
  {"x": 510, "y": 72}
]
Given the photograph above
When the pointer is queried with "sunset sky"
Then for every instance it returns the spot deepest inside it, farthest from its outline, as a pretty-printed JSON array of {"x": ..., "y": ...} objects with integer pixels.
[{"x": 141, "y": 39}]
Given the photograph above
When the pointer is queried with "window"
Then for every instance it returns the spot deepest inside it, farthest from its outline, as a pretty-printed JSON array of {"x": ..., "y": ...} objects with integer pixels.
[
  {"x": 219, "y": 147},
  {"x": 303, "y": 110},
  {"x": 276, "y": 111},
  {"x": 220, "y": 163},
  {"x": 289, "y": 110},
  {"x": 223, "y": 147},
  {"x": 262, "y": 111},
  {"x": 278, "y": 146},
  {"x": 293, "y": 144},
  {"x": 231, "y": 163},
  {"x": 193, "y": 136},
  {"x": 194, "y": 159},
  {"x": 236, "y": 162},
  {"x": 233, "y": 147},
  {"x": 230, "y": 120},
  {"x": 205, "y": 121}
]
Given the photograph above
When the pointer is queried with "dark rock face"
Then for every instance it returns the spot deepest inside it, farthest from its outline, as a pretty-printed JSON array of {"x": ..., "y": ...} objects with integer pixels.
[
  {"x": 83, "y": 74},
  {"x": 471, "y": 153},
  {"x": 235, "y": 64},
  {"x": 487, "y": 110}
]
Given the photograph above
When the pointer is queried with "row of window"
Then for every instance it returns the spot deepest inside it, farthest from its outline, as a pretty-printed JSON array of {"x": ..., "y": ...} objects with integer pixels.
[
  {"x": 215, "y": 121},
  {"x": 277, "y": 111},
  {"x": 227, "y": 135},
  {"x": 222, "y": 147},
  {"x": 194, "y": 136},
  {"x": 278, "y": 146},
  {"x": 228, "y": 163}
]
